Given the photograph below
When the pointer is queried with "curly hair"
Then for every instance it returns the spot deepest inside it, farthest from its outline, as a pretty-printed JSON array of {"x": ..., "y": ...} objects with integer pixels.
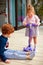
[{"x": 7, "y": 29}]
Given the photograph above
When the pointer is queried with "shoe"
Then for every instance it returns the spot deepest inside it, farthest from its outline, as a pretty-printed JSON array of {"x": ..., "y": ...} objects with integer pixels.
[{"x": 27, "y": 49}]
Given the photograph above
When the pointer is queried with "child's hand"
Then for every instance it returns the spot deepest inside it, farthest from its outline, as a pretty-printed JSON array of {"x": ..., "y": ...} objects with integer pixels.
[
  {"x": 7, "y": 44},
  {"x": 35, "y": 25},
  {"x": 7, "y": 61},
  {"x": 24, "y": 23},
  {"x": 29, "y": 25}
]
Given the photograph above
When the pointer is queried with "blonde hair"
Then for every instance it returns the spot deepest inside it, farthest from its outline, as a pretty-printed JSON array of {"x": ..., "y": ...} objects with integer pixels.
[{"x": 30, "y": 8}]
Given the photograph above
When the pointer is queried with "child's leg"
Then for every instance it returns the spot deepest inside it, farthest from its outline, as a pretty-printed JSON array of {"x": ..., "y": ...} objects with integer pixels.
[
  {"x": 24, "y": 57},
  {"x": 19, "y": 52},
  {"x": 23, "y": 52},
  {"x": 28, "y": 48},
  {"x": 11, "y": 54},
  {"x": 35, "y": 42},
  {"x": 29, "y": 41}
]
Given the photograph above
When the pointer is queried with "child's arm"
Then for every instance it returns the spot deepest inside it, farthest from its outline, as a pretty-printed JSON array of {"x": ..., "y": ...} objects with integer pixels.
[
  {"x": 37, "y": 20},
  {"x": 24, "y": 22},
  {"x": 35, "y": 25}
]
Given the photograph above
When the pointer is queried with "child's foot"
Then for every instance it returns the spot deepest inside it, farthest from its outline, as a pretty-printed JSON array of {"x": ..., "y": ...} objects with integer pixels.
[
  {"x": 28, "y": 53},
  {"x": 7, "y": 61},
  {"x": 31, "y": 55},
  {"x": 27, "y": 49}
]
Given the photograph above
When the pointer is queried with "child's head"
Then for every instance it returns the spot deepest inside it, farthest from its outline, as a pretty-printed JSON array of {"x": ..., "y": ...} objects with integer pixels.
[
  {"x": 7, "y": 29},
  {"x": 30, "y": 10}
]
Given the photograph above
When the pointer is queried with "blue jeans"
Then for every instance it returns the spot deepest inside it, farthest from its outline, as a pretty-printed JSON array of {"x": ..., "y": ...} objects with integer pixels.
[{"x": 15, "y": 54}]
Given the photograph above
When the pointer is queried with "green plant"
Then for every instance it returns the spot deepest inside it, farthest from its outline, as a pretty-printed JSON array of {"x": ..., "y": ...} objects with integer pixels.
[
  {"x": 38, "y": 7},
  {"x": 40, "y": 12}
]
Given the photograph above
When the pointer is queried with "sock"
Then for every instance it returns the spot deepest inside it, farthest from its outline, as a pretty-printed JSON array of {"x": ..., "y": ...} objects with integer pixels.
[{"x": 34, "y": 47}]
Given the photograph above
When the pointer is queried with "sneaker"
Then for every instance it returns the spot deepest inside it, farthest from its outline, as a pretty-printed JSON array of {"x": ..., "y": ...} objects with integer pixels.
[{"x": 27, "y": 49}]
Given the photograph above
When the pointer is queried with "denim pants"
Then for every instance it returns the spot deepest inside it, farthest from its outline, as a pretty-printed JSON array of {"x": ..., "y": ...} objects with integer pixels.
[{"x": 15, "y": 54}]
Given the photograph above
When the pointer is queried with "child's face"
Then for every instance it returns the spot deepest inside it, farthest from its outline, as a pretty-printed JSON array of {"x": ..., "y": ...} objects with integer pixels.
[
  {"x": 9, "y": 35},
  {"x": 30, "y": 14}
]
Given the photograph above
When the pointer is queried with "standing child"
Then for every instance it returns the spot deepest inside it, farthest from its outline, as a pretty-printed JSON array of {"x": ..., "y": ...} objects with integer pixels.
[
  {"x": 32, "y": 22},
  {"x": 6, "y": 54}
]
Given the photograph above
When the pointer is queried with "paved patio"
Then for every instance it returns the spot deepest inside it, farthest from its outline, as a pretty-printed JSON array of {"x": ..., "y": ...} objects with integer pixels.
[{"x": 18, "y": 40}]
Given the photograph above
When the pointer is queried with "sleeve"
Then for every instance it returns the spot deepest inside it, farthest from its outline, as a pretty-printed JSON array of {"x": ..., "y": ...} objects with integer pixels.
[
  {"x": 24, "y": 21},
  {"x": 37, "y": 20}
]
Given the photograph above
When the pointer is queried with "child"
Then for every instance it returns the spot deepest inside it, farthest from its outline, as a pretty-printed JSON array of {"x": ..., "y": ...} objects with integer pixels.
[
  {"x": 6, "y": 54},
  {"x": 32, "y": 22}
]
